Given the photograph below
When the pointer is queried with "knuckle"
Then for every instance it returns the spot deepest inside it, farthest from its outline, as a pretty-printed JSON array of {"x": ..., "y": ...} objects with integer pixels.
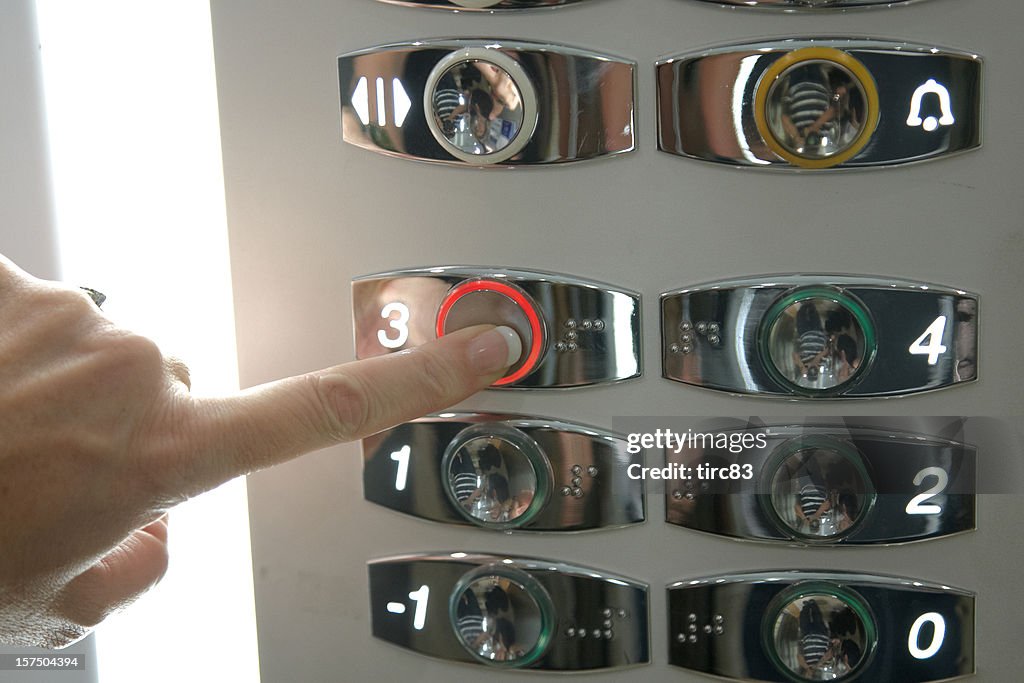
[{"x": 344, "y": 403}]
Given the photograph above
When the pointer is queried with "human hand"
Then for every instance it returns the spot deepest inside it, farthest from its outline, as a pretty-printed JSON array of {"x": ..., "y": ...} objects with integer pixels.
[{"x": 99, "y": 437}]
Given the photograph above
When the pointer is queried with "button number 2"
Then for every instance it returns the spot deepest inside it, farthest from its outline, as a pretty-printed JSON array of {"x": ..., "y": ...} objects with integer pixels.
[{"x": 400, "y": 325}]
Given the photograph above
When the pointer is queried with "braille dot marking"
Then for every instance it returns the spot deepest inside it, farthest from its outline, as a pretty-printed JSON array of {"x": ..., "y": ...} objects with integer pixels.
[
  {"x": 714, "y": 339},
  {"x": 692, "y": 618},
  {"x": 685, "y": 326},
  {"x": 599, "y": 325},
  {"x": 586, "y": 324},
  {"x": 565, "y": 491},
  {"x": 713, "y": 328},
  {"x": 675, "y": 348},
  {"x": 577, "y": 493},
  {"x": 570, "y": 323},
  {"x": 571, "y": 347},
  {"x": 692, "y": 638},
  {"x": 707, "y": 629},
  {"x": 577, "y": 482},
  {"x": 592, "y": 471},
  {"x": 608, "y": 633},
  {"x": 702, "y": 327},
  {"x": 571, "y": 335}
]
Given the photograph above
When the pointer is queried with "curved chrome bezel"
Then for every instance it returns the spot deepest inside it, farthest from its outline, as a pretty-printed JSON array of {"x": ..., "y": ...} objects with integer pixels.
[
  {"x": 586, "y": 486},
  {"x": 900, "y": 72},
  {"x": 383, "y": 91}
]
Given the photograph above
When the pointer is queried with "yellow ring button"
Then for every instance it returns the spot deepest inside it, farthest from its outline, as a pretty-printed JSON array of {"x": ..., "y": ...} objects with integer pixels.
[{"x": 816, "y": 107}]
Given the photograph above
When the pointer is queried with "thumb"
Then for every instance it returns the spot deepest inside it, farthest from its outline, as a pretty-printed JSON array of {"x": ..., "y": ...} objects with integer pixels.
[{"x": 275, "y": 422}]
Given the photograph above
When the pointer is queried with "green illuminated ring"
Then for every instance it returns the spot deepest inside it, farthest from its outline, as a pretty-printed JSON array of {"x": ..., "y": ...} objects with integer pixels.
[
  {"x": 532, "y": 587},
  {"x": 803, "y": 589},
  {"x": 802, "y": 443},
  {"x": 855, "y": 307}
]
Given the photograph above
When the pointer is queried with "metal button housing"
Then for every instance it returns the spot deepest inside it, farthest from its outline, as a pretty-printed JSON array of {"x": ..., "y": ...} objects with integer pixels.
[
  {"x": 506, "y": 611},
  {"x": 504, "y": 472},
  {"x": 815, "y": 104},
  {"x": 821, "y": 626},
  {"x": 487, "y": 102},
  {"x": 575, "y": 332},
  {"x": 820, "y": 336}
]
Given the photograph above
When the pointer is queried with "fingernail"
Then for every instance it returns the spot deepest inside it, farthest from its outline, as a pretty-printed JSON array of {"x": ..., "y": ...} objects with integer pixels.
[{"x": 495, "y": 350}]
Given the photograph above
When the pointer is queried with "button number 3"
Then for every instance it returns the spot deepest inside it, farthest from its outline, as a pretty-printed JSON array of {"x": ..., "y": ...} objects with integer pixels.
[{"x": 400, "y": 325}]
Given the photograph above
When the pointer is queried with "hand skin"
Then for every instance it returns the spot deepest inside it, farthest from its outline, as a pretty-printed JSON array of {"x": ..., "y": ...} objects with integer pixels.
[{"x": 99, "y": 437}]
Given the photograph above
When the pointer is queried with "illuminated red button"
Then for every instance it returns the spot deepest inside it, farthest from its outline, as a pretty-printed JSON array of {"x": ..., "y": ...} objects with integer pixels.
[{"x": 493, "y": 302}]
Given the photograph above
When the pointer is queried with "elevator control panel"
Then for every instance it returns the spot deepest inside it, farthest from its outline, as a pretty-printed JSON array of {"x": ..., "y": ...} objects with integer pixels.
[
  {"x": 509, "y": 612},
  {"x": 819, "y": 104},
  {"x": 504, "y": 472},
  {"x": 821, "y": 485},
  {"x": 482, "y": 5},
  {"x": 821, "y": 626},
  {"x": 574, "y": 332},
  {"x": 487, "y": 102},
  {"x": 820, "y": 336}
]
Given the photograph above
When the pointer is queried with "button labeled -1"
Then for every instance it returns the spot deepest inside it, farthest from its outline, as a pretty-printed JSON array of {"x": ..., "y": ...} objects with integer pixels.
[
  {"x": 503, "y": 472},
  {"x": 819, "y": 104},
  {"x": 509, "y": 612},
  {"x": 573, "y": 332},
  {"x": 487, "y": 102},
  {"x": 821, "y": 626},
  {"x": 820, "y": 336}
]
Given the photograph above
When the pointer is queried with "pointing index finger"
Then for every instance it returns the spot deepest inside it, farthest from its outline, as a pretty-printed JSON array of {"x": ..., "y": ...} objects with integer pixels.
[{"x": 275, "y": 422}]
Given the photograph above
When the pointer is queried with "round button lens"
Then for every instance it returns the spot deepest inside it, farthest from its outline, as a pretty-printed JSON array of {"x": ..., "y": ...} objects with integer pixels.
[
  {"x": 500, "y": 618},
  {"x": 820, "y": 493},
  {"x": 478, "y": 107},
  {"x": 816, "y": 109},
  {"x": 819, "y": 342},
  {"x": 496, "y": 476},
  {"x": 482, "y": 301},
  {"x": 821, "y": 636}
]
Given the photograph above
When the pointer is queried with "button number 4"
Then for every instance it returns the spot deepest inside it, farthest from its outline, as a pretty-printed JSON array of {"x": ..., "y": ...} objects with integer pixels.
[{"x": 930, "y": 343}]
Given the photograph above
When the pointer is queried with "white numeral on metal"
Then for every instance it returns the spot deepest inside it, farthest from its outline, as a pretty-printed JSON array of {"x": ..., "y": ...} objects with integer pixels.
[
  {"x": 936, "y": 620},
  {"x": 933, "y": 336},
  {"x": 916, "y": 505},
  {"x": 420, "y": 597},
  {"x": 400, "y": 325},
  {"x": 401, "y": 456}
]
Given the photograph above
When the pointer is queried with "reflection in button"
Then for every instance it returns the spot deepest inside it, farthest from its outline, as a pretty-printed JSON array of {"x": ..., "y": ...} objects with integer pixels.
[
  {"x": 820, "y": 492},
  {"x": 817, "y": 343},
  {"x": 816, "y": 109},
  {"x": 478, "y": 107},
  {"x": 496, "y": 476},
  {"x": 498, "y": 619},
  {"x": 820, "y": 637}
]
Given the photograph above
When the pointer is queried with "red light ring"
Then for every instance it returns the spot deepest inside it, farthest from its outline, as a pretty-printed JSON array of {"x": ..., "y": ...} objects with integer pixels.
[{"x": 505, "y": 289}]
